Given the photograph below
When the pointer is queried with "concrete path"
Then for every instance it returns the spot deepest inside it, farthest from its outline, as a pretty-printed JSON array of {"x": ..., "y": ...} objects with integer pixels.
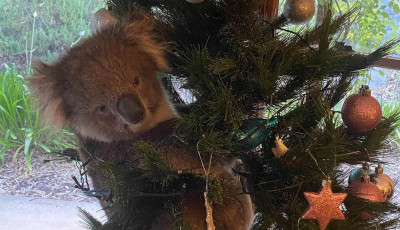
[{"x": 27, "y": 213}]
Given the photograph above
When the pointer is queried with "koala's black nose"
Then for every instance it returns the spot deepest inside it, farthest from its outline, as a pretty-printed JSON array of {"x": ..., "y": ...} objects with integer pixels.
[{"x": 130, "y": 107}]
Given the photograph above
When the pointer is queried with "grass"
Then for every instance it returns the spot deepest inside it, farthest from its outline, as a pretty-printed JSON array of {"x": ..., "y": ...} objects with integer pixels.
[
  {"x": 30, "y": 30},
  {"x": 42, "y": 29},
  {"x": 20, "y": 126}
]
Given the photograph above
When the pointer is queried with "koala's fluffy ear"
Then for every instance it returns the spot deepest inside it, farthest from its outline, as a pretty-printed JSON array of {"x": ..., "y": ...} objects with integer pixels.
[
  {"x": 43, "y": 86},
  {"x": 138, "y": 28}
]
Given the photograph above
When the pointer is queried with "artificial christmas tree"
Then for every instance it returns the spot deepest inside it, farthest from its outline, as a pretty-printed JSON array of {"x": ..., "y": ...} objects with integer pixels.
[{"x": 224, "y": 53}]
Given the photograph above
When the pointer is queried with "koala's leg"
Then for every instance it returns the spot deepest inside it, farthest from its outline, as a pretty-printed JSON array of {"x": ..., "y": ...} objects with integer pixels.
[
  {"x": 235, "y": 213},
  {"x": 194, "y": 212}
]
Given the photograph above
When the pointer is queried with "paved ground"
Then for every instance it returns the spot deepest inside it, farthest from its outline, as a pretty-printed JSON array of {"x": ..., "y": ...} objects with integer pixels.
[{"x": 27, "y": 213}]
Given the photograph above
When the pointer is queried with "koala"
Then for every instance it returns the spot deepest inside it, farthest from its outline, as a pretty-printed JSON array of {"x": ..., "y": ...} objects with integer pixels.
[{"x": 105, "y": 89}]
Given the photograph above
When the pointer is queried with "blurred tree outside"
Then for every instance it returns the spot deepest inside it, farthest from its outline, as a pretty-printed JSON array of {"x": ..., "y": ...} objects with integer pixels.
[{"x": 377, "y": 22}]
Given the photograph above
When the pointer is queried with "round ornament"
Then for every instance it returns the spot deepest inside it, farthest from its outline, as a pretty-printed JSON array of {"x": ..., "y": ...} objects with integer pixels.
[
  {"x": 361, "y": 112},
  {"x": 383, "y": 182},
  {"x": 367, "y": 190},
  {"x": 299, "y": 11},
  {"x": 358, "y": 173},
  {"x": 102, "y": 18}
]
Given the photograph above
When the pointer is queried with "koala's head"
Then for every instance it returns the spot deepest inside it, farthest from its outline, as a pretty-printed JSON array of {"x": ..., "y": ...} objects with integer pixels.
[{"x": 106, "y": 87}]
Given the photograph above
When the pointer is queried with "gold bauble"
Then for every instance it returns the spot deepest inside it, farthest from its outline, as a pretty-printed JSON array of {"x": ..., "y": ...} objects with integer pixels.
[
  {"x": 101, "y": 19},
  {"x": 299, "y": 11},
  {"x": 383, "y": 182},
  {"x": 361, "y": 112}
]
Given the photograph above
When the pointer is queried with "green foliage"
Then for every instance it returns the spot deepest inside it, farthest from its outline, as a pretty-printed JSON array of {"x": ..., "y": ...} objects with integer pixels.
[
  {"x": 388, "y": 109},
  {"x": 42, "y": 30},
  {"x": 88, "y": 221},
  {"x": 56, "y": 26},
  {"x": 196, "y": 59},
  {"x": 146, "y": 189},
  {"x": 371, "y": 23},
  {"x": 377, "y": 138},
  {"x": 20, "y": 126},
  {"x": 152, "y": 158},
  {"x": 218, "y": 107}
]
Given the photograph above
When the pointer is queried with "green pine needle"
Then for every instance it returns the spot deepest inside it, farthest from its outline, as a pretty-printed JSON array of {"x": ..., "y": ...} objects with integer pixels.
[{"x": 88, "y": 221}]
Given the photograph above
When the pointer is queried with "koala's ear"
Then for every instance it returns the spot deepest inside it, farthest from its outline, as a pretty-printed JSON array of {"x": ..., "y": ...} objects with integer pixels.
[
  {"x": 138, "y": 28},
  {"x": 43, "y": 86}
]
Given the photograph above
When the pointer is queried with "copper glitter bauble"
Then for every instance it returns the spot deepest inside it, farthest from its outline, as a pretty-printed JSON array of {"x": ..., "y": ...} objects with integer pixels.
[
  {"x": 367, "y": 190},
  {"x": 383, "y": 182},
  {"x": 299, "y": 11},
  {"x": 361, "y": 112},
  {"x": 102, "y": 18},
  {"x": 324, "y": 205}
]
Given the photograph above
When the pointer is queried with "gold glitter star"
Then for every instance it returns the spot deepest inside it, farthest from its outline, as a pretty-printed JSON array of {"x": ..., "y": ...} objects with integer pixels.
[{"x": 324, "y": 206}]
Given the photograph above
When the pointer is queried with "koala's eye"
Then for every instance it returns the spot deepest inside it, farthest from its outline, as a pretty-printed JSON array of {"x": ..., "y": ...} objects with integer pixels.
[
  {"x": 136, "y": 81},
  {"x": 102, "y": 108}
]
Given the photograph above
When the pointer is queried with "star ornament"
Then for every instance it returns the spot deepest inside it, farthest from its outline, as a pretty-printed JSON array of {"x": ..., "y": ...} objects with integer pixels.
[{"x": 324, "y": 206}]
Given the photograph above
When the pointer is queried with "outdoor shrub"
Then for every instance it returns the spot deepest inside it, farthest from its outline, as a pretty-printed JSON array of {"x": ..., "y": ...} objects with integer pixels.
[
  {"x": 20, "y": 126},
  {"x": 42, "y": 29}
]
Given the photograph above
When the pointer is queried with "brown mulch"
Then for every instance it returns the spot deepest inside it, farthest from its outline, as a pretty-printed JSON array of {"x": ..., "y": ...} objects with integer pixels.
[{"x": 50, "y": 177}]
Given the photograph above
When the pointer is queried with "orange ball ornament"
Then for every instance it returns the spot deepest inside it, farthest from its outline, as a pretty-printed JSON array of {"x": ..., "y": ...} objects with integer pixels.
[
  {"x": 361, "y": 112},
  {"x": 366, "y": 190}
]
